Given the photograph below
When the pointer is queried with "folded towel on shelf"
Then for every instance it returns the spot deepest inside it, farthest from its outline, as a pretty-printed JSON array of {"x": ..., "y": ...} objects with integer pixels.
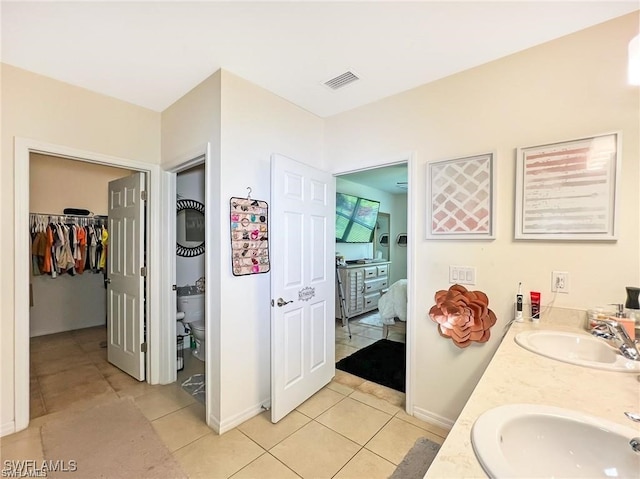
[{"x": 393, "y": 304}]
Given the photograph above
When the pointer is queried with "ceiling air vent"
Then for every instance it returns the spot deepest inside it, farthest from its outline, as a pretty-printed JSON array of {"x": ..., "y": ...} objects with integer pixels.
[{"x": 341, "y": 80}]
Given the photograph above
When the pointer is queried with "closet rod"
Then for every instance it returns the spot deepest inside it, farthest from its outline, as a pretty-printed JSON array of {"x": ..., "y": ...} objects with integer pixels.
[{"x": 71, "y": 216}]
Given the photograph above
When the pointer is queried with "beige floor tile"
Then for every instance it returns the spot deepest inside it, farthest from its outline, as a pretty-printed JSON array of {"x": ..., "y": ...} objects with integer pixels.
[
  {"x": 342, "y": 334},
  {"x": 62, "y": 381},
  {"x": 192, "y": 366},
  {"x": 372, "y": 332},
  {"x": 218, "y": 456},
  {"x": 78, "y": 395},
  {"x": 347, "y": 379},
  {"x": 389, "y": 395},
  {"x": 36, "y": 406},
  {"x": 266, "y": 434},
  {"x": 399, "y": 337},
  {"x": 354, "y": 420},
  {"x": 104, "y": 366},
  {"x": 315, "y": 451},
  {"x": 265, "y": 467},
  {"x": 52, "y": 361},
  {"x": 437, "y": 430},
  {"x": 182, "y": 427},
  {"x": 366, "y": 465},
  {"x": 395, "y": 439},
  {"x": 319, "y": 402},
  {"x": 340, "y": 388},
  {"x": 344, "y": 350},
  {"x": 90, "y": 345},
  {"x": 163, "y": 400},
  {"x": 125, "y": 385},
  {"x": 98, "y": 333},
  {"x": 375, "y": 402},
  {"x": 22, "y": 445},
  {"x": 51, "y": 341},
  {"x": 360, "y": 342}
]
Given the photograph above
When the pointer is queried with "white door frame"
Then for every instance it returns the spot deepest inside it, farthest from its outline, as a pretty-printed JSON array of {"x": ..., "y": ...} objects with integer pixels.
[
  {"x": 160, "y": 365},
  {"x": 410, "y": 159},
  {"x": 200, "y": 155}
]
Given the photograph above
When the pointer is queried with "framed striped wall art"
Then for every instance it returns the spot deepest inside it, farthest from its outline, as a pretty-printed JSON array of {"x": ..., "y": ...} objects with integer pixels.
[{"x": 568, "y": 190}]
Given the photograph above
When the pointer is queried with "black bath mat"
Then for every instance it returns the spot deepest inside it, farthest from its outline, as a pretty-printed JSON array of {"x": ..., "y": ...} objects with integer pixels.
[{"x": 383, "y": 362}]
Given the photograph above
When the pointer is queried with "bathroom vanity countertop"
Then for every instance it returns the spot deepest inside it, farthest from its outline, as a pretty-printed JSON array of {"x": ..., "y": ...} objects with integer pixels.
[{"x": 516, "y": 375}]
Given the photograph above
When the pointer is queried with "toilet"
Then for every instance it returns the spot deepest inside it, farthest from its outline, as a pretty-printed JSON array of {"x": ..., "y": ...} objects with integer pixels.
[{"x": 191, "y": 313}]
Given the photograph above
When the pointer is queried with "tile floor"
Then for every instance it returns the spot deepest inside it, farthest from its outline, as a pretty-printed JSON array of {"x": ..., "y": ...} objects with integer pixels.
[{"x": 350, "y": 429}]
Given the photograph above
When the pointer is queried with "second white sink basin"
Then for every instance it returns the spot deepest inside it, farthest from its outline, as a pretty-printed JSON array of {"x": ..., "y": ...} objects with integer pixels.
[
  {"x": 529, "y": 440},
  {"x": 576, "y": 348}
]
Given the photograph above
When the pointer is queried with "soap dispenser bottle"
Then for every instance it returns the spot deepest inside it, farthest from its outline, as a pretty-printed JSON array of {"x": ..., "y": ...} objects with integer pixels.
[{"x": 628, "y": 324}]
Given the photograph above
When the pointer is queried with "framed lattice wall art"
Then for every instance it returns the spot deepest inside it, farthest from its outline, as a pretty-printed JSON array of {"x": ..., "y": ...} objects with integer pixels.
[{"x": 461, "y": 198}]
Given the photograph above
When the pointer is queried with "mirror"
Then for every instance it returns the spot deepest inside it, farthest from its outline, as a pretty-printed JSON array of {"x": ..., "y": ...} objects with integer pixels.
[{"x": 189, "y": 228}]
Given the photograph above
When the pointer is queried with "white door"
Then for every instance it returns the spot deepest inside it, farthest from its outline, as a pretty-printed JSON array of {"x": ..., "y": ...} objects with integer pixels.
[
  {"x": 125, "y": 280},
  {"x": 302, "y": 236}
]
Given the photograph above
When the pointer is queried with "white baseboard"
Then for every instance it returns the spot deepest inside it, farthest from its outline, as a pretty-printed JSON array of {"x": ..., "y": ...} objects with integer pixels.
[
  {"x": 7, "y": 428},
  {"x": 241, "y": 417},
  {"x": 433, "y": 418},
  {"x": 214, "y": 423}
]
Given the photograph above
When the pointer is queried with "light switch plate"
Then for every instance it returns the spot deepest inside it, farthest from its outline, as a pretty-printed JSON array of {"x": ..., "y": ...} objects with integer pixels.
[{"x": 462, "y": 275}]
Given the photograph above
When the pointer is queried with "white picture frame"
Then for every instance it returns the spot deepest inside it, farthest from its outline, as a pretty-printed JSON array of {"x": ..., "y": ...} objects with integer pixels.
[
  {"x": 461, "y": 198},
  {"x": 568, "y": 190}
]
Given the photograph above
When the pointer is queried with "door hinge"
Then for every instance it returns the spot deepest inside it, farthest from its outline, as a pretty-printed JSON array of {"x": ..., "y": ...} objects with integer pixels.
[
  {"x": 143, "y": 195},
  {"x": 143, "y": 271},
  {"x": 143, "y": 347}
]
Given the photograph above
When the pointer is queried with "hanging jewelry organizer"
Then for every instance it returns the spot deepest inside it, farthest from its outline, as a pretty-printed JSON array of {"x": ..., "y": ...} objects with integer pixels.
[{"x": 249, "y": 236}]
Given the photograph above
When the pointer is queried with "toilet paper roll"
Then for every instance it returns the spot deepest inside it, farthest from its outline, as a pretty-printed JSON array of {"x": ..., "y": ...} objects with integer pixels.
[{"x": 180, "y": 315}]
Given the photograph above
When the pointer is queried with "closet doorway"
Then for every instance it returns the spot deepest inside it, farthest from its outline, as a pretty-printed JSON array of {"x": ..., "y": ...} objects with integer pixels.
[{"x": 68, "y": 296}]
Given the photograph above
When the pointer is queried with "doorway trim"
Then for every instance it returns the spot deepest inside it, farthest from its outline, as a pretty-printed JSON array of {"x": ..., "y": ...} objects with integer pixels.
[
  {"x": 199, "y": 155},
  {"x": 155, "y": 317},
  {"x": 410, "y": 159}
]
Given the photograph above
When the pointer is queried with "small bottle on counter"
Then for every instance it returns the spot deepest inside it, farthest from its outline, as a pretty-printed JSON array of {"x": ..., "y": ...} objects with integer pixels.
[{"x": 628, "y": 324}]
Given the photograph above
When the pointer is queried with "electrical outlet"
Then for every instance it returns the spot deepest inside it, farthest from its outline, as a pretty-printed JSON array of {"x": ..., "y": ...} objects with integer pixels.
[{"x": 559, "y": 282}]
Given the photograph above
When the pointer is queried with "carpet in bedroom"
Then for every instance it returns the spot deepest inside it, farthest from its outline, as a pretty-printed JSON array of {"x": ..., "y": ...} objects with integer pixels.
[{"x": 382, "y": 362}]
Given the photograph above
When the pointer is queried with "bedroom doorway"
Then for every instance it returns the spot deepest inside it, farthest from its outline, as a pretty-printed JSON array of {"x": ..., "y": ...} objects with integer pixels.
[{"x": 370, "y": 355}]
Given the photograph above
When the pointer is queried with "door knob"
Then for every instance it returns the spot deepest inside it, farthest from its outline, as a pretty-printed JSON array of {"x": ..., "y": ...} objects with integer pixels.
[{"x": 281, "y": 302}]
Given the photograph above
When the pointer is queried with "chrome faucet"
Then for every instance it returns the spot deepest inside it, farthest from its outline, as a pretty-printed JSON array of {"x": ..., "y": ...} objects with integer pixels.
[{"x": 613, "y": 331}]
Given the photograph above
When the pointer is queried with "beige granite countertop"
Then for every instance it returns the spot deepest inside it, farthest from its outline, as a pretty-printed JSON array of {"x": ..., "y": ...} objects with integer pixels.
[{"x": 516, "y": 375}]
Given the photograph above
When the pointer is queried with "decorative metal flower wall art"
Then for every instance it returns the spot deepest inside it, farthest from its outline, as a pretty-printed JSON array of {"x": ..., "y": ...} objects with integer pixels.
[{"x": 462, "y": 315}]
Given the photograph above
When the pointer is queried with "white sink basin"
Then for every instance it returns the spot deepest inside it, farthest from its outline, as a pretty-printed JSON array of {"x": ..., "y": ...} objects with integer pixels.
[
  {"x": 575, "y": 348},
  {"x": 527, "y": 440}
]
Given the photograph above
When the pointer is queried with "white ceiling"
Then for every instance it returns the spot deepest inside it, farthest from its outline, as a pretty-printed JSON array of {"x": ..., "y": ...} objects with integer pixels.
[
  {"x": 151, "y": 53},
  {"x": 392, "y": 179}
]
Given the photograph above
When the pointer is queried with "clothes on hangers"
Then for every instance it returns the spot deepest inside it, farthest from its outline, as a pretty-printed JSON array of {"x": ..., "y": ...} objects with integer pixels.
[{"x": 60, "y": 247}]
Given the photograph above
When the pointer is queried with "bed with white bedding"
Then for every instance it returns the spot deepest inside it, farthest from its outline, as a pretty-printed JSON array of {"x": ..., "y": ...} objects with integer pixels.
[{"x": 392, "y": 307}]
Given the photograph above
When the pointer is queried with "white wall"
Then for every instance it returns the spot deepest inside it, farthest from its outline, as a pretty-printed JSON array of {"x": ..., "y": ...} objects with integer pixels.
[
  {"x": 255, "y": 124},
  {"x": 50, "y": 111},
  {"x": 569, "y": 88},
  {"x": 188, "y": 126},
  {"x": 190, "y": 186},
  {"x": 245, "y": 124}
]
